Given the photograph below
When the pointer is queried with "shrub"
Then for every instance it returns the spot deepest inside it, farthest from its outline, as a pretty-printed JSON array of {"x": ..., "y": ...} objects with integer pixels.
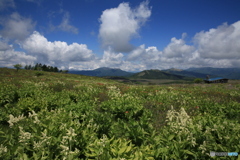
[
  {"x": 38, "y": 74},
  {"x": 198, "y": 80},
  {"x": 17, "y": 66}
]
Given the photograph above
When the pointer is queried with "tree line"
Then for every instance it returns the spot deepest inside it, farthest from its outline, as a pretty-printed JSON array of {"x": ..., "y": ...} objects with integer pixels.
[{"x": 40, "y": 67}]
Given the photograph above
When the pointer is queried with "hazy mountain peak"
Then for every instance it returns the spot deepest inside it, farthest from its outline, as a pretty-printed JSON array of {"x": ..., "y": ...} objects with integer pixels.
[{"x": 174, "y": 69}]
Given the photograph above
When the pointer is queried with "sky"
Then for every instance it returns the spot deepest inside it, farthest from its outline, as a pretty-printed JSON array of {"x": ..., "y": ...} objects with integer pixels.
[{"x": 132, "y": 35}]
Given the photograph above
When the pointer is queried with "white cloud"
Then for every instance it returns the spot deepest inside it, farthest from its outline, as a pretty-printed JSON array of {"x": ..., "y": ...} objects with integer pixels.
[
  {"x": 65, "y": 23},
  {"x": 5, "y": 4},
  {"x": 219, "y": 43},
  {"x": 119, "y": 25},
  {"x": 137, "y": 53},
  {"x": 9, "y": 57},
  {"x": 218, "y": 47},
  {"x": 56, "y": 52},
  {"x": 177, "y": 48},
  {"x": 4, "y": 46},
  {"x": 111, "y": 58},
  {"x": 16, "y": 27},
  {"x": 65, "y": 26}
]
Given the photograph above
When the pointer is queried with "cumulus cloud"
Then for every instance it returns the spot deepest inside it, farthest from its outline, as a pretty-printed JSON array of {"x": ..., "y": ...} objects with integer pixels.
[
  {"x": 8, "y": 56},
  {"x": 218, "y": 47},
  {"x": 3, "y": 45},
  {"x": 137, "y": 53},
  {"x": 5, "y": 4},
  {"x": 177, "y": 48},
  {"x": 111, "y": 58},
  {"x": 219, "y": 43},
  {"x": 16, "y": 27},
  {"x": 148, "y": 58},
  {"x": 56, "y": 52},
  {"x": 119, "y": 25}
]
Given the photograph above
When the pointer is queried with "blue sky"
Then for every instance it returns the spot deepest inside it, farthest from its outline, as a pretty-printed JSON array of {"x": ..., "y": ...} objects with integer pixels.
[{"x": 132, "y": 35}]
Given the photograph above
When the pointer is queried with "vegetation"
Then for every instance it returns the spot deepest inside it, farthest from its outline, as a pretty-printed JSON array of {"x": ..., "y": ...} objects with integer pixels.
[
  {"x": 198, "y": 80},
  {"x": 157, "y": 74},
  {"x": 17, "y": 66},
  {"x": 66, "y": 116},
  {"x": 104, "y": 71},
  {"x": 64, "y": 71},
  {"x": 41, "y": 67},
  {"x": 38, "y": 73},
  {"x": 230, "y": 73}
]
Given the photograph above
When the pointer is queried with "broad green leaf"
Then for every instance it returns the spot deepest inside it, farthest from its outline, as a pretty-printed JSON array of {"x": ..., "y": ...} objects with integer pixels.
[
  {"x": 189, "y": 152},
  {"x": 171, "y": 137},
  {"x": 25, "y": 157},
  {"x": 121, "y": 151},
  {"x": 128, "y": 149}
]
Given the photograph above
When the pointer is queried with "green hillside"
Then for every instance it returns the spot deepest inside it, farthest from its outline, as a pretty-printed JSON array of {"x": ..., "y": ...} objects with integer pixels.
[
  {"x": 101, "y": 72},
  {"x": 47, "y": 115},
  {"x": 230, "y": 73},
  {"x": 185, "y": 73},
  {"x": 157, "y": 74}
]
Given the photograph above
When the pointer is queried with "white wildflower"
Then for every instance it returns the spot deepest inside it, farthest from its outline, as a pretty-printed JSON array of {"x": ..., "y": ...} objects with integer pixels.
[
  {"x": 36, "y": 120},
  {"x": 13, "y": 119},
  {"x": 33, "y": 114},
  {"x": 71, "y": 133},
  {"x": 37, "y": 145},
  {"x": 63, "y": 126},
  {"x": 76, "y": 151},
  {"x": 2, "y": 149},
  {"x": 24, "y": 136}
]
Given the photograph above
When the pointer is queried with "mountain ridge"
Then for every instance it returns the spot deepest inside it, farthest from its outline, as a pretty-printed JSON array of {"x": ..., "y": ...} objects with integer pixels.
[
  {"x": 157, "y": 74},
  {"x": 102, "y": 72},
  {"x": 230, "y": 73}
]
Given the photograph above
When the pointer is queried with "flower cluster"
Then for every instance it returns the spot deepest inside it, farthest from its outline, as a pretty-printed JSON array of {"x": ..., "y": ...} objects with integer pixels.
[
  {"x": 34, "y": 115},
  {"x": 2, "y": 149},
  {"x": 180, "y": 123},
  {"x": 13, "y": 119},
  {"x": 44, "y": 139},
  {"x": 114, "y": 92},
  {"x": 66, "y": 143},
  {"x": 41, "y": 84},
  {"x": 24, "y": 136}
]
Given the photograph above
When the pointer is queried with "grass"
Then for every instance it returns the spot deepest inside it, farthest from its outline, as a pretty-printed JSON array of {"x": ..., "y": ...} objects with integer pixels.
[{"x": 95, "y": 107}]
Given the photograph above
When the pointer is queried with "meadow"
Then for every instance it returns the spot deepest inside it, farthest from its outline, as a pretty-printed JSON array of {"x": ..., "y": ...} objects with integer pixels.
[{"x": 66, "y": 116}]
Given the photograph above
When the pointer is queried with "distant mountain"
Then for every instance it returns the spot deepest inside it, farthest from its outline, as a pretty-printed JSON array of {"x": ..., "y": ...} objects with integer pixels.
[
  {"x": 102, "y": 72},
  {"x": 173, "y": 73},
  {"x": 185, "y": 73},
  {"x": 230, "y": 73},
  {"x": 173, "y": 69},
  {"x": 157, "y": 74}
]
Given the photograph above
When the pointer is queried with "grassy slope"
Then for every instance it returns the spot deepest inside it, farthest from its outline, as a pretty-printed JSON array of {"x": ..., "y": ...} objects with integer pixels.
[
  {"x": 101, "y": 72},
  {"x": 156, "y": 74},
  {"x": 214, "y": 91},
  {"x": 215, "y": 100}
]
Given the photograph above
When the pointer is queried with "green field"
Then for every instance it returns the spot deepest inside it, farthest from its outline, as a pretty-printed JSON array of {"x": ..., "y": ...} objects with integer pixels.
[{"x": 66, "y": 116}]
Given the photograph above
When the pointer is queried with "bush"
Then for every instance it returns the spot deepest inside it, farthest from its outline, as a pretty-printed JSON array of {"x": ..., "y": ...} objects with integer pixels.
[
  {"x": 198, "y": 80},
  {"x": 17, "y": 66},
  {"x": 38, "y": 74}
]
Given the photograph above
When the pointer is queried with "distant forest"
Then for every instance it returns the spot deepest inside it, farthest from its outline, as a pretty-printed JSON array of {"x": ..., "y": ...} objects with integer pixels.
[{"x": 43, "y": 67}]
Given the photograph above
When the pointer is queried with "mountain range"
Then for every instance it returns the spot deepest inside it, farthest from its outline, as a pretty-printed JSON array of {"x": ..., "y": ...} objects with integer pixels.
[
  {"x": 230, "y": 73},
  {"x": 103, "y": 72},
  {"x": 157, "y": 74},
  {"x": 173, "y": 73}
]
